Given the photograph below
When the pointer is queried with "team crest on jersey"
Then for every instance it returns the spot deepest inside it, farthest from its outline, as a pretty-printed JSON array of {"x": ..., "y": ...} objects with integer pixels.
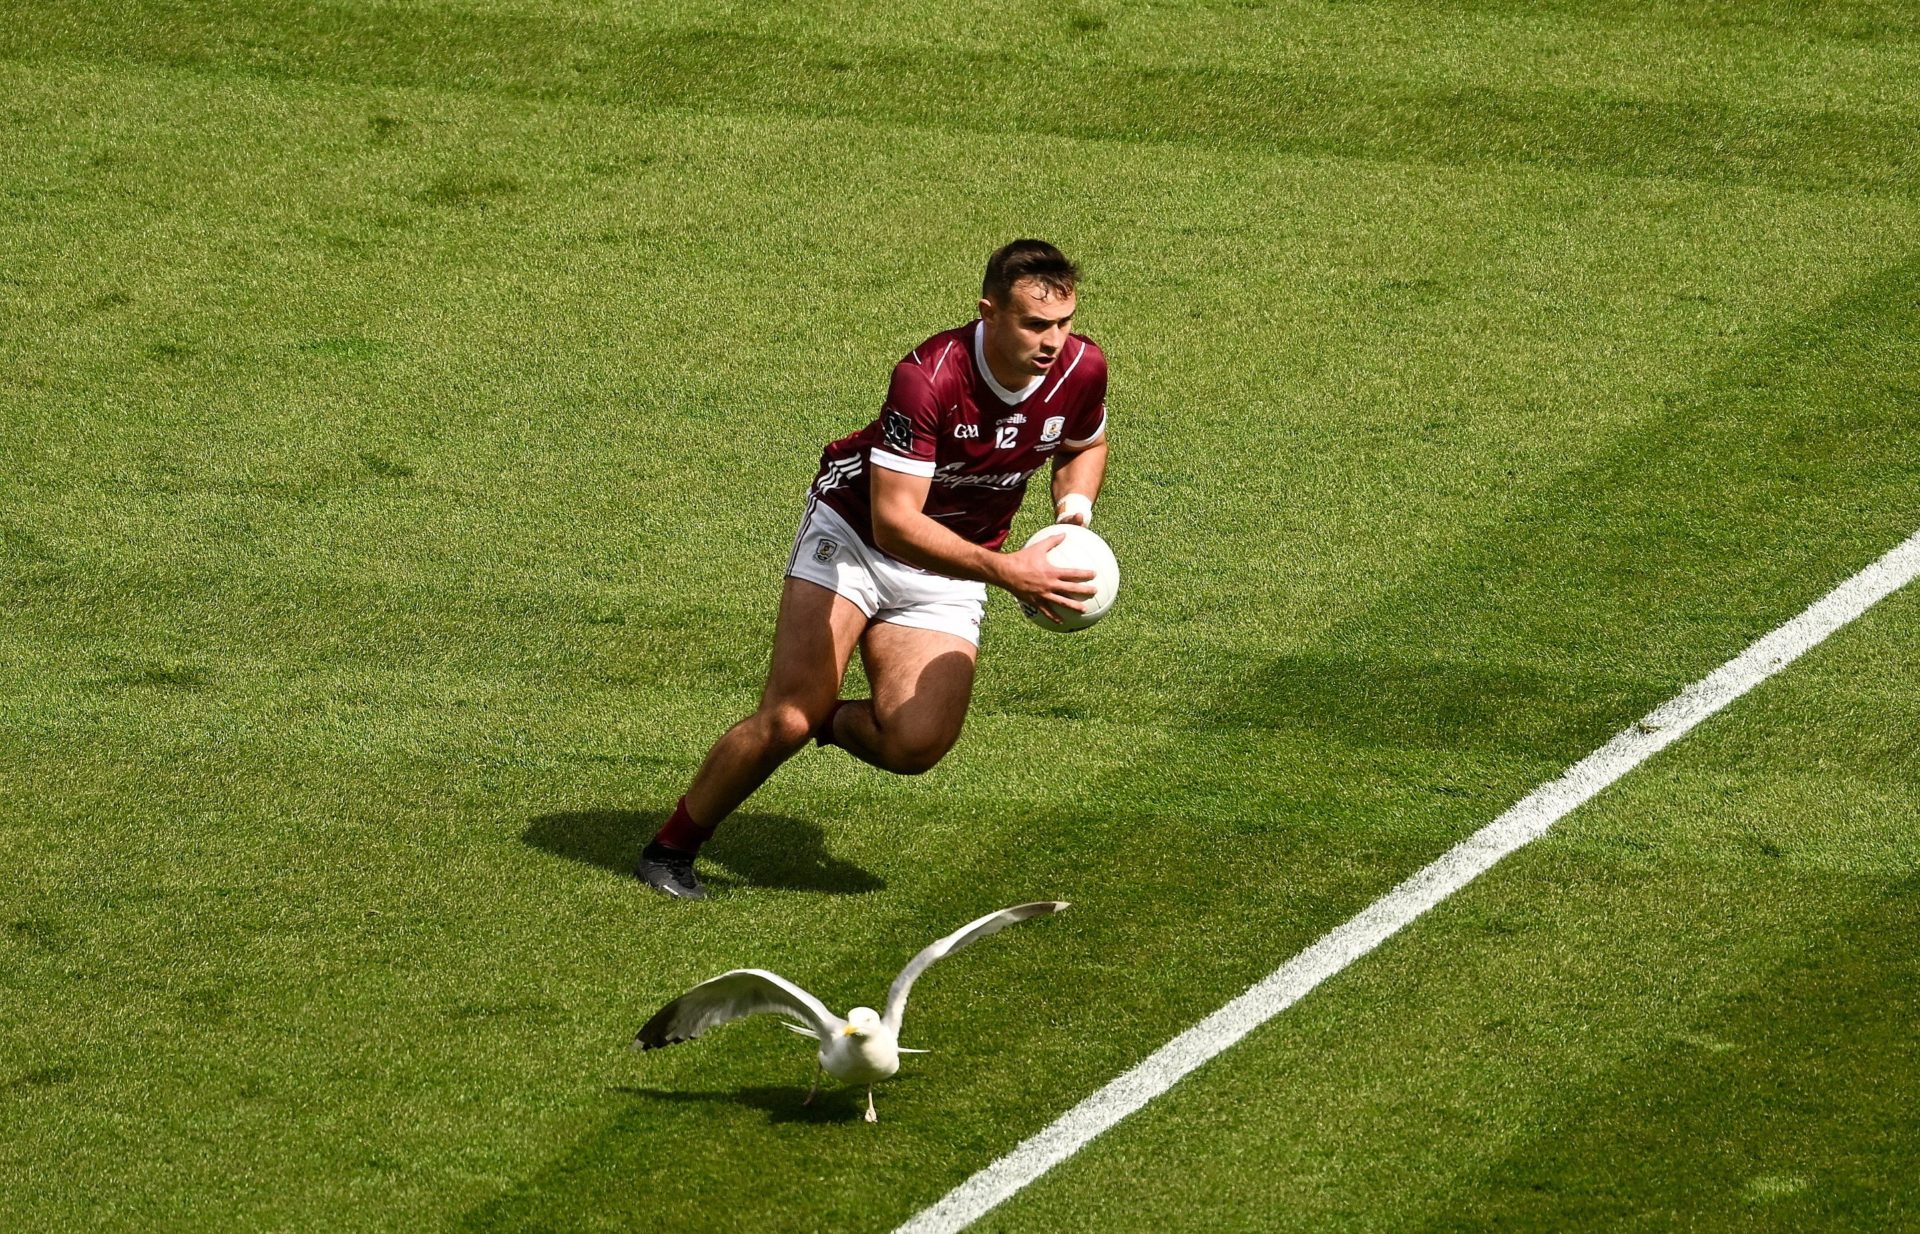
[
  {"x": 826, "y": 550},
  {"x": 898, "y": 430},
  {"x": 1051, "y": 430}
]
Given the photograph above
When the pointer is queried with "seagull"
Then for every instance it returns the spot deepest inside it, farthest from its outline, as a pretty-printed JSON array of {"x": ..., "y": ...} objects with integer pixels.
[{"x": 864, "y": 1048}]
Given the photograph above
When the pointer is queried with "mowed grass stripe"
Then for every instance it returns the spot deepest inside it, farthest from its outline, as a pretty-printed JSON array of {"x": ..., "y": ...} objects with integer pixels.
[
  {"x": 725, "y": 71},
  {"x": 1856, "y": 20},
  {"x": 1810, "y": 1124},
  {"x": 1611, "y": 583}
]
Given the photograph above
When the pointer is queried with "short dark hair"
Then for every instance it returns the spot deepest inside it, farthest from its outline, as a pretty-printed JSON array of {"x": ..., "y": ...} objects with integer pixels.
[{"x": 1027, "y": 259}]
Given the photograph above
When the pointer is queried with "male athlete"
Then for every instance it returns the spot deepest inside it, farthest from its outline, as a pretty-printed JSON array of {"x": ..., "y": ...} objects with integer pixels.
[{"x": 902, "y": 534}]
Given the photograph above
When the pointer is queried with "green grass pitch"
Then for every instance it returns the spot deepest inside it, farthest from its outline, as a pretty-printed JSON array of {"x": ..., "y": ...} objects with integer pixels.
[{"x": 406, "y": 410}]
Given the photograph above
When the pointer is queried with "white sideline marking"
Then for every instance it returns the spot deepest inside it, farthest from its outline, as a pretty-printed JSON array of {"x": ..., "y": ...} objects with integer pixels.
[{"x": 1458, "y": 866}]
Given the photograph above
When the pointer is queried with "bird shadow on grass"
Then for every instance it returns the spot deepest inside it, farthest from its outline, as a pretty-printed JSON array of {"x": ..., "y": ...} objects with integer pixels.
[
  {"x": 781, "y": 1104},
  {"x": 765, "y": 850}
]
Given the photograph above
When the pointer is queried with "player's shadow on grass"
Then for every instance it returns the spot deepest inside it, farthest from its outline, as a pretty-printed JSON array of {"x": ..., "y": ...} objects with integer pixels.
[
  {"x": 766, "y": 850},
  {"x": 836, "y": 1103}
]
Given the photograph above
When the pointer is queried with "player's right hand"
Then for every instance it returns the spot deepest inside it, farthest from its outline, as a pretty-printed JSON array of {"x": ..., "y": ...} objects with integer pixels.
[{"x": 1038, "y": 583}]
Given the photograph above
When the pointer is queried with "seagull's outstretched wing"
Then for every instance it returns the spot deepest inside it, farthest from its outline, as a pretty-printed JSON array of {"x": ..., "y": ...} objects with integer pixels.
[
  {"x": 730, "y": 996},
  {"x": 973, "y": 930}
]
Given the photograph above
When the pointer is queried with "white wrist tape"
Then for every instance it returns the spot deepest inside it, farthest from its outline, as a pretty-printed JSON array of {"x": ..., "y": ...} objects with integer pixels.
[{"x": 1074, "y": 504}]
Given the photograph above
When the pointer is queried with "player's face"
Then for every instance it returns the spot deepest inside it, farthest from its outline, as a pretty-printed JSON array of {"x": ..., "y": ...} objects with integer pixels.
[{"x": 1027, "y": 332}]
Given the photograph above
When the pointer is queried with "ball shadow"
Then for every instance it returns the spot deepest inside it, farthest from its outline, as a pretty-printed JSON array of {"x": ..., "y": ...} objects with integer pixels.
[{"x": 767, "y": 850}]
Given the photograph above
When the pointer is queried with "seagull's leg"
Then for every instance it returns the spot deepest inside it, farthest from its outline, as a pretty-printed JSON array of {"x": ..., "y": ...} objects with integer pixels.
[
  {"x": 872, "y": 1117},
  {"x": 811, "y": 1092}
]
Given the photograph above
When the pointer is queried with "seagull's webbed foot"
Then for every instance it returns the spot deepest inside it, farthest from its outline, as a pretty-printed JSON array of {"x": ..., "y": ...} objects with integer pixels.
[{"x": 872, "y": 1116}]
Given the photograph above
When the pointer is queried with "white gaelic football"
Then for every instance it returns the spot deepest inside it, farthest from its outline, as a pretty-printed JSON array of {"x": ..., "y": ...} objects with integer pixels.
[{"x": 1080, "y": 550}]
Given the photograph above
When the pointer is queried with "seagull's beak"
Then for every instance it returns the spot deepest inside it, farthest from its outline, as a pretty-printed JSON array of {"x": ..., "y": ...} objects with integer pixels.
[{"x": 848, "y": 1030}]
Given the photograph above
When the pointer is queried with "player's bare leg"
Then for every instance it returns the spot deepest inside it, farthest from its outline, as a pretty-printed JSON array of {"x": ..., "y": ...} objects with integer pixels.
[
  {"x": 813, "y": 639},
  {"x": 922, "y": 682}
]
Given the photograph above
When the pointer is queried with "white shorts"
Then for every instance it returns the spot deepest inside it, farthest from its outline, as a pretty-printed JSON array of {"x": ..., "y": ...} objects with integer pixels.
[{"x": 832, "y": 554}]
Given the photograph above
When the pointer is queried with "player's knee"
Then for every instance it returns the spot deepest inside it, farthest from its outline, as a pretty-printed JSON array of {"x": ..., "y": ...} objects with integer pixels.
[
  {"x": 919, "y": 754},
  {"x": 786, "y": 728}
]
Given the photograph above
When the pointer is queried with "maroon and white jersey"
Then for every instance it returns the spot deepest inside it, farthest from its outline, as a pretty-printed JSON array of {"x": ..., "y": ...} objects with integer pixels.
[{"x": 946, "y": 417}]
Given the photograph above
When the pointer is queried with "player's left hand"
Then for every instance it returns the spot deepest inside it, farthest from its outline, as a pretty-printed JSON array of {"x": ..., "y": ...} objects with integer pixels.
[{"x": 1074, "y": 508}]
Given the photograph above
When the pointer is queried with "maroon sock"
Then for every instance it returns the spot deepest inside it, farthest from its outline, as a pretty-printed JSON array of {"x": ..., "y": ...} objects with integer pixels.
[
  {"x": 681, "y": 832},
  {"x": 823, "y": 736}
]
